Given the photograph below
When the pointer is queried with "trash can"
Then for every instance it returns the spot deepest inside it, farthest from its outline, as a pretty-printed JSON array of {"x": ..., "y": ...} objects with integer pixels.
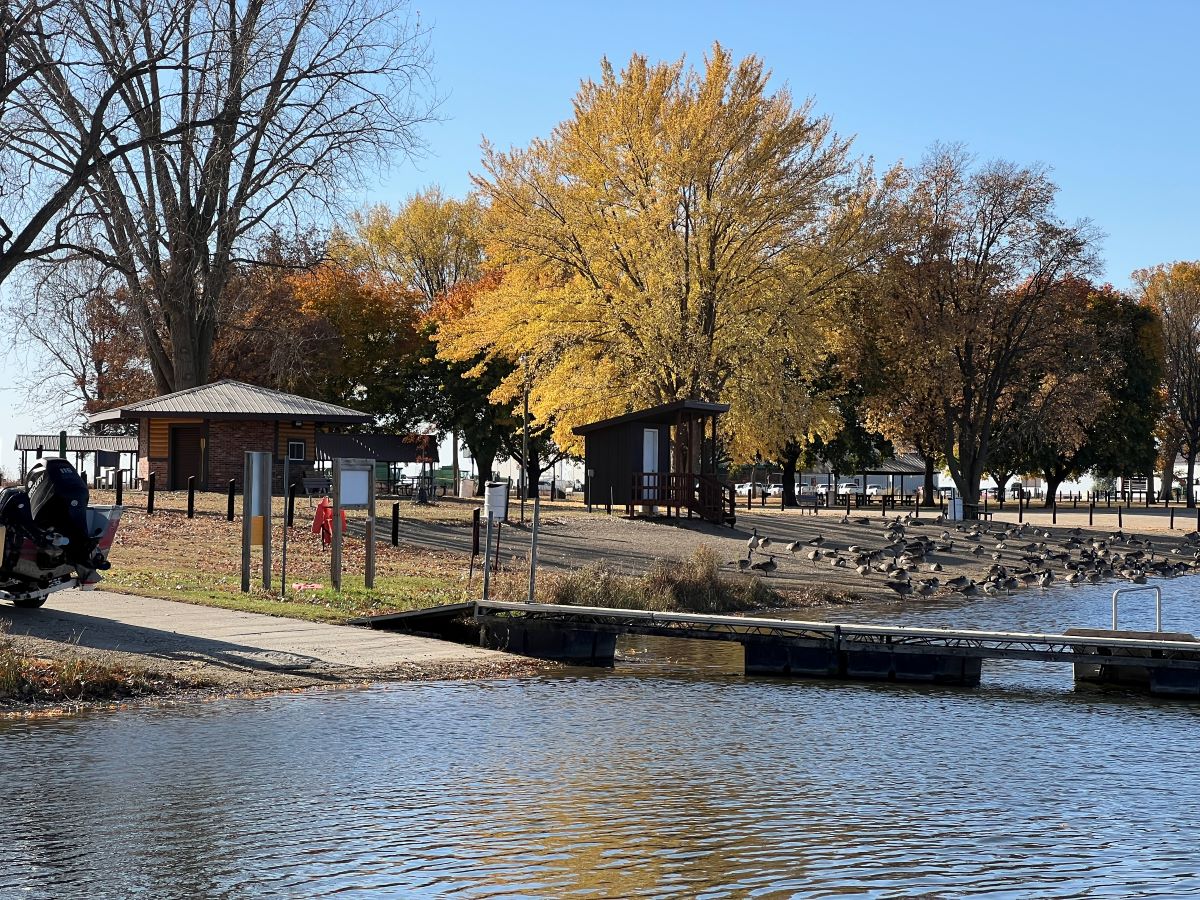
[
  {"x": 954, "y": 509},
  {"x": 495, "y": 500},
  {"x": 466, "y": 487}
]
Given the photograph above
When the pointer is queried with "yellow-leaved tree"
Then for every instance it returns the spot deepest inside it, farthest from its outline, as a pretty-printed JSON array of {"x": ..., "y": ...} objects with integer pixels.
[{"x": 678, "y": 238}]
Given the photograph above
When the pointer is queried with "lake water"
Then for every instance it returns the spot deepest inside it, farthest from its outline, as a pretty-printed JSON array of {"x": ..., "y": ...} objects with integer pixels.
[{"x": 669, "y": 777}]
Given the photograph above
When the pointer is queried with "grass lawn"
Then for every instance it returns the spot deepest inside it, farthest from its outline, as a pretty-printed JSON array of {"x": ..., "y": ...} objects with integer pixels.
[{"x": 199, "y": 561}]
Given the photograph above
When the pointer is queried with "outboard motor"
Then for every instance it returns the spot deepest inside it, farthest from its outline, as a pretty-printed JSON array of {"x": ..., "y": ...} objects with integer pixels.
[{"x": 58, "y": 501}]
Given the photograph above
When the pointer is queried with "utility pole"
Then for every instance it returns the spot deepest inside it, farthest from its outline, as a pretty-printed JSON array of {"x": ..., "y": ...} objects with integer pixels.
[{"x": 524, "y": 436}]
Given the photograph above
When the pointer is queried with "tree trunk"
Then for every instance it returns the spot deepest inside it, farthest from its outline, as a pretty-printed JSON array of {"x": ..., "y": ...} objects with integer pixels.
[
  {"x": 928, "y": 490},
  {"x": 790, "y": 458},
  {"x": 532, "y": 473},
  {"x": 1168, "y": 471},
  {"x": 485, "y": 457},
  {"x": 1053, "y": 480},
  {"x": 1191, "y": 478}
]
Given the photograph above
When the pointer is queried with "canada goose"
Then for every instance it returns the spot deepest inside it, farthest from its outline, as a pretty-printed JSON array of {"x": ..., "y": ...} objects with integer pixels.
[
  {"x": 754, "y": 541},
  {"x": 934, "y": 567},
  {"x": 744, "y": 563},
  {"x": 793, "y": 548},
  {"x": 903, "y": 588},
  {"x": 764, "y": 543},
  {"x": 766, "y": 566},
  {"x": 816, "y": 542}
]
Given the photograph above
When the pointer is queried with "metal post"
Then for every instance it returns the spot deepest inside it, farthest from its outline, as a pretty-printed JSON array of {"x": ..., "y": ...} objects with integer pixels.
[
  {"x": 1054, "y": 512},
  {"x": 533, "y": 541},
  {"x": 150, "y": 494},
  {"x": 265, "y": 491},
  {"x": 396, "y": 524},
  {"x": 496, "y": 561},
  {"x": 369, "y": 530},
  {"x": 287, "y": 524},
  {"x": 524, "y": 437},
  {"x": 120, "y": 486},
  {"x": 487, "y": 557},
  {"x": 191, "y": 503},
  {"x": 1091, "y": 512},
  {"x": 247, "y": 491},
  {"x": 1021, "y": 506},
  {"x": 62, "y": 444},
  {"x": 1120, "y": 519},
  {"x": 291, "y": 496},
  {"x": 229, "y": 500},
  {"x": 335, "y": 553}
]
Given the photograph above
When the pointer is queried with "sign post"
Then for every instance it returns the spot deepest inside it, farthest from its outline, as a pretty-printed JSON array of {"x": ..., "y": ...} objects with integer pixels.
[
  {"x": 256, "y": 514},
  {"x": 353, "y": 488}
]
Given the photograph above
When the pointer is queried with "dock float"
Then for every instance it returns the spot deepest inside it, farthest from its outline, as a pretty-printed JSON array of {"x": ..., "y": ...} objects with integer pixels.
[{"x": 1159, "y": 663}]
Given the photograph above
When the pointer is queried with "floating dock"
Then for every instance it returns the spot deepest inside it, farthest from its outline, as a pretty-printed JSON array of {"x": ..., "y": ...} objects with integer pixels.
[{"x": 1160, "y": 663}]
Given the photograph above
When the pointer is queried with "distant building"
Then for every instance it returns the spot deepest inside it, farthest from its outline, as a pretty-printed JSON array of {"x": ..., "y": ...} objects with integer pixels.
[{"x": 204, "y": 431}]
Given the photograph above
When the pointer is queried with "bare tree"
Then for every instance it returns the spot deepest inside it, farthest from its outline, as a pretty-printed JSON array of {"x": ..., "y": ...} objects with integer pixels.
[
  {"x": 76, "y": 322},
  {"x": 271, "y": 111},
  {"x": 45, "y": 161}
]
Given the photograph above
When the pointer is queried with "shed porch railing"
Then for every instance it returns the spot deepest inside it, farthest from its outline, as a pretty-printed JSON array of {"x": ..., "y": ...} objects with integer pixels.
[{"x": 704, "y": 495}]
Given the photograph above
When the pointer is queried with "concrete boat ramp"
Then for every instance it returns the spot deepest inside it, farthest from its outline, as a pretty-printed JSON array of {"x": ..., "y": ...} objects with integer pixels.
[{"x": 168, "y": 631}]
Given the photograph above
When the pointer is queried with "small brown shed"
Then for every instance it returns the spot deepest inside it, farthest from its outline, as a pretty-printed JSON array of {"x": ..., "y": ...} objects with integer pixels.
[
  {"x": 204, "y": 431},
  {"x": 663, "y": 457}
]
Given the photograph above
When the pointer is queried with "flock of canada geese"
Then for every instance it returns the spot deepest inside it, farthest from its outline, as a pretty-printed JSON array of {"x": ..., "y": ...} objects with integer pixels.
[{"x": 1022, "y": 556}]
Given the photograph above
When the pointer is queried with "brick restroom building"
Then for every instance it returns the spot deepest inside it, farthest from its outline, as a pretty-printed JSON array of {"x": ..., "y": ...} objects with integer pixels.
[{"x": 204, "y": 431}]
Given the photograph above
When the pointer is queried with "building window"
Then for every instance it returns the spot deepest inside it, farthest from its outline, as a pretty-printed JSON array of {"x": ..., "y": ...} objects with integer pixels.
[{"x": 296, "y": 451}]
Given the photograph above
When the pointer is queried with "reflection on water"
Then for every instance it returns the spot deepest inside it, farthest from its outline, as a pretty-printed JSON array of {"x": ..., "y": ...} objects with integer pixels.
[{"x": 672, "y": 776}]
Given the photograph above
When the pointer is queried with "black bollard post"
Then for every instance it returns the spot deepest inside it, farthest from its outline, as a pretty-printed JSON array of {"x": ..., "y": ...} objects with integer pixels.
[
  {"x": 396, "y": 525},
  {"x": 1021, "y": 507},
  {"x": 1172, "y": 518},
  {"x": 191, "y": 497},
  {"x": 120, "y": 486},
  {"x": 150, "y": 493},
  {"x": 229, "y": 502},
  {"x": 1120, "y": 519},
  {"x": 290, "y": 520},
  {"x": 1054, "y": 512}
]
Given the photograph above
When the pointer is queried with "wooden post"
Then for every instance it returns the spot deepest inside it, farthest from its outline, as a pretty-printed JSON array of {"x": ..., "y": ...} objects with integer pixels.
[
  {"x": 120, "y": 485},
  {"x": 1091, "y": 512},
  {"x": 229, "y": 500},
  {"x": 150, "y": 493},
  {"x": 191, "y": 513},
  {"x": 1172, "y": 518},
  {"x": 1021, "y": 506},
  {"x": 1054, "y": 512},
  {"x": 396, "y": 524},
  {"x": 1120, "y": 519},
  {"x": 291, "y": 505}
]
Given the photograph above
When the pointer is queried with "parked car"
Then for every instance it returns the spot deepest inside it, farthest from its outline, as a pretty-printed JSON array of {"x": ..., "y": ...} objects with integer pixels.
[
  {"x": 874, "y": 490},
  {"x": 743, "y": 489},
  {"x": 848, "y": 487},
  {"x": 775, "y": 490}
]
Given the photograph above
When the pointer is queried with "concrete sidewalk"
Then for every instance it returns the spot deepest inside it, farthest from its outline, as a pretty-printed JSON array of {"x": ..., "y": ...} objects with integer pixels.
[{"x": 170, "y": 632}]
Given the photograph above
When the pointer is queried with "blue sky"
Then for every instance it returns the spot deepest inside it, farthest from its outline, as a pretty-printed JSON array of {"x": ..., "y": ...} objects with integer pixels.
[{"x": 1104, "y": 93}]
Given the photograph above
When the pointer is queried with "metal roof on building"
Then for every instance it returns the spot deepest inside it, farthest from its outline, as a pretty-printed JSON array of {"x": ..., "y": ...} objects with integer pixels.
[
  {"x": 230, "y": 399},
  {"x": 656, "y": 415},
  {"x": 79, "y": 443},
  {"x": 393, "y": 448},
  {"x": 903, "y": 464}
]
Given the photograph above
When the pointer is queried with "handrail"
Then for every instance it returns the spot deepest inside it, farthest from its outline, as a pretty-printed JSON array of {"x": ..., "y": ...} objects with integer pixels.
[{"x": 1157, "y": 603}]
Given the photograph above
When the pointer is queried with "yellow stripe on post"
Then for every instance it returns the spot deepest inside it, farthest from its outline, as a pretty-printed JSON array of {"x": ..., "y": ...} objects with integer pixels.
[{"x": 257, "y": 524}]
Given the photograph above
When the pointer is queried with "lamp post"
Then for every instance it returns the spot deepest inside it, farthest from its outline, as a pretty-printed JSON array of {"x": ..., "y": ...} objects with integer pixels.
[{"x": 524, "y": 435}]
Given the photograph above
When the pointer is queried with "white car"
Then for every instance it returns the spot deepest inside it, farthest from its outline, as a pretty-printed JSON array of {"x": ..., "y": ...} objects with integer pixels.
[
  {"x": 743, "y": 489},
  {"x": 874, "y": 490},
  {"x": 849, "y": 487}
]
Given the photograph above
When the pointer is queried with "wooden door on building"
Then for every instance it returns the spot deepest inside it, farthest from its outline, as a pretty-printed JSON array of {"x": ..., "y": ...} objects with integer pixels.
[{"x": 187, "y": 455}]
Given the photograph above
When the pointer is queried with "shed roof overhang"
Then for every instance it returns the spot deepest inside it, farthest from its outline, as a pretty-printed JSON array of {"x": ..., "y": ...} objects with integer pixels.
[{"x": 666, "y": 414}]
